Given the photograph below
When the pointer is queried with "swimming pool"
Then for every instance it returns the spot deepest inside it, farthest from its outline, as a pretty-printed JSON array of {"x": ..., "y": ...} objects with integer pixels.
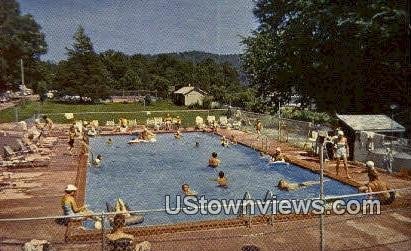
[{"x": 143, "y": 174}]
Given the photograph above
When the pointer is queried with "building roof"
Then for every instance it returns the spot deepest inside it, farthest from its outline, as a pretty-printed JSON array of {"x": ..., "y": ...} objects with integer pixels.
[
  {"x": 187, "y": 89},
  {"x": 375, "y": 123}
]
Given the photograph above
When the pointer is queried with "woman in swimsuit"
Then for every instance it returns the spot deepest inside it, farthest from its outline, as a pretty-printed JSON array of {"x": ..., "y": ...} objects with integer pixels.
[{"x": 341, "y": 152}]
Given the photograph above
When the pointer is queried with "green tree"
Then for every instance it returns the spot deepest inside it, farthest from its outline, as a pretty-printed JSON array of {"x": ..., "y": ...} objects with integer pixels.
[
  {"x": 83, "y": 73},
  {"x": 20, "y": 38},
  {"x": 344, "y": 55}
]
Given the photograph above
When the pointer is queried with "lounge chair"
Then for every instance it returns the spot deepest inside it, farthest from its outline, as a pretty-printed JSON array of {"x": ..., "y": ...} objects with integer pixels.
[
  {"x": 94, "y": 123},
  {"x": 132, "y": 123},
  {"x": 22, "y": 147},
  {"x": 158, "y": 123},
  {"x": 33, "y": 148},
  {"x": 110, "y": 123},
  {"x": 150, "y": 122},
  {"x": 10, "y": 154},
  {"x": 236, "y": 125},
  {"x": 312, "y": 139},
  {"x": 14, "y": 158},
  {"x": 210, "y": 120},
  {"x": 223, "y": 122},
  {"x": 199, "y": 123}
]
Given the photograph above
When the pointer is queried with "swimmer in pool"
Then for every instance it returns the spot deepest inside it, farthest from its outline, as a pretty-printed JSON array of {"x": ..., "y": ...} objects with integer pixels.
[
  {"x": 233, "y": 139},
  {"x": 197, "y": 144},
  {"x": 284, "y": 185},
  {"x": 224, "y": 141},
  {"x": 187, "y": 190},
  {"x": 109, "y": 141},
  {"x": 177, "y": 135},
  {"x": 221, "y": 180},
  {"x": 97, "y": 160},
  {"x": 147, "y": 135},
  {"x": 278, "y": 156},
  {"x": 214, "y": 161}
]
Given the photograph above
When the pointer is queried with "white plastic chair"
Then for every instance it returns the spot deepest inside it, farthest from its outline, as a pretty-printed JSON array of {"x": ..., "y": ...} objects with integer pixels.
[
  {"x": 210, "y": 120},
  {"x": 199, "y": 122},
  {"x": 223, "y": 121}
]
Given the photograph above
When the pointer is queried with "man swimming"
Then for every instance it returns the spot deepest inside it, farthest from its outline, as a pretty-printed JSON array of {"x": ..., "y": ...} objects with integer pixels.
[
  {"x": 278, "y": 156},
  {"x": 187, "y": 190},
  {"x": 97, "y": 160},
  {"x": 284, "y": 185},
  {"x": 221, "y": 180},
  {"x": 224, "y": 141},
  {"x": 214, "y": 161},
  {"x": 177, "y": 135}
]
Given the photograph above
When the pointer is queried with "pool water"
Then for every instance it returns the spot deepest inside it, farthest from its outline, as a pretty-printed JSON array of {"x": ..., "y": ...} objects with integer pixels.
[{"x": 142, "y": 174}]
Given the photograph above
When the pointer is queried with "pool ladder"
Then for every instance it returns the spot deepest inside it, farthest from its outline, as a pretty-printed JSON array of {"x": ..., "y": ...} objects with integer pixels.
[{"x": 246, "y": 208}]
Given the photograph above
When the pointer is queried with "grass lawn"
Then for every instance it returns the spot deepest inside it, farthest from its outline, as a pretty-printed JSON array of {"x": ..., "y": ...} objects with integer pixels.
[{"x": 103, "y": 112}]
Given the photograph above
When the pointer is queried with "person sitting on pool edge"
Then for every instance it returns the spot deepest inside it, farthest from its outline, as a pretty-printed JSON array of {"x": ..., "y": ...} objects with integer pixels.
[
  {"x": 147, "y": 135},
  {"x": 177, "y": 135},
  {"x": 233, "y": 139},
  {"x": 70, "y": 208},
  {"x": 221, "y": 180},
  {"x": 278, "y": 156},
  {"x": 214, "y": 161},
  {"x": 377, "y": 185},
  {"x": 187, "y": 190},
  {"x": 284, "y": 185},
  {"x": 109, "y": 141}
]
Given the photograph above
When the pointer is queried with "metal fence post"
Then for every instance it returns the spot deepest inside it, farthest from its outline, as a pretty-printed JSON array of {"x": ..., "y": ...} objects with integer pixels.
[
  {"x": 102, "y": 232},
  {"x": 322, "y": 195},
  {"x": 16, "y": 112}
]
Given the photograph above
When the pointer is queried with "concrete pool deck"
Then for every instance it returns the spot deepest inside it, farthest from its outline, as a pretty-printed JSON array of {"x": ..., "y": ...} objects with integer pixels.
[{"x": 391, "y": 230}]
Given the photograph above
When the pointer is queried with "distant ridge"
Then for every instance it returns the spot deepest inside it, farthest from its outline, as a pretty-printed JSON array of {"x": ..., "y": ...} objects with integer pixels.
[{"x": 198, "y": 56}]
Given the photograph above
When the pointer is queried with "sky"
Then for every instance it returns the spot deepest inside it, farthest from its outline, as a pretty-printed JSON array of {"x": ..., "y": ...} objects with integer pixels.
[{"x": 144, "y": 26}]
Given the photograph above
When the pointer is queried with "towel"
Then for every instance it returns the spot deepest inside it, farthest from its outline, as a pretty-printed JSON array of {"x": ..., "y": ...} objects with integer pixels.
[{"x": 370, "y": 141}]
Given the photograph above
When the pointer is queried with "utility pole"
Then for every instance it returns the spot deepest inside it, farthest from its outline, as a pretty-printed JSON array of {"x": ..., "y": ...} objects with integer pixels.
[{"x": 22, "y": 71}]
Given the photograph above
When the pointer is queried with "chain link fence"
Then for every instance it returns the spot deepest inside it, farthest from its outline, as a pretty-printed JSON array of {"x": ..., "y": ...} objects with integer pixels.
[
  {"x": 347, "y": 225},
  {"x": 294, "y": 132}
]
